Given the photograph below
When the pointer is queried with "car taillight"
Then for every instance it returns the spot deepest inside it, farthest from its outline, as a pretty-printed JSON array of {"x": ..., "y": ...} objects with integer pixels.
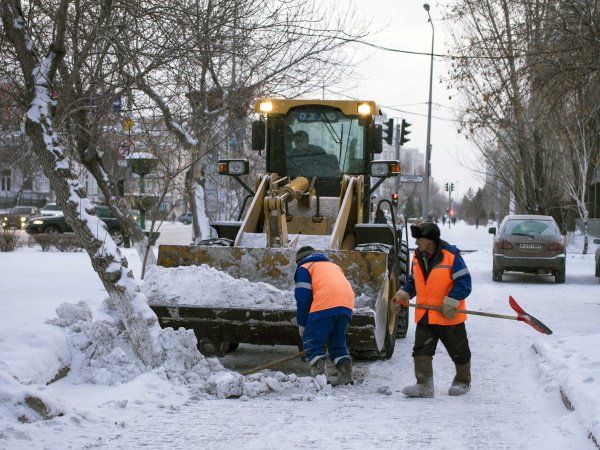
[
  {"x": 503, "y": 244},
  {"x": 556, "y": 246}
]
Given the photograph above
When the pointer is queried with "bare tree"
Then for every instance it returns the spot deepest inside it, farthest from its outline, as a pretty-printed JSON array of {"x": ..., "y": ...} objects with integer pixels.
[
  {"x": 203, "y": 78},
  {"x": 498, "y": 44},
  {"x": 39, "y": 56}
]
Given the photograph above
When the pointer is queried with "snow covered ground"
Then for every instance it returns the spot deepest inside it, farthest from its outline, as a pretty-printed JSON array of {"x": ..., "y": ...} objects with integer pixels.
[{"x": 515, "y": 401}]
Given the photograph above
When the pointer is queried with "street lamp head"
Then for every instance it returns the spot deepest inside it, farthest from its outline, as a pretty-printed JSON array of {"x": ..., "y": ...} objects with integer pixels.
[{"x": 426, "y": 6}]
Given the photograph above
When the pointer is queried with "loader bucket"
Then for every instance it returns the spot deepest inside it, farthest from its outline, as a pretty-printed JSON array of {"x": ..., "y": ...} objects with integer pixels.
[{"x": 221, "y": 323}]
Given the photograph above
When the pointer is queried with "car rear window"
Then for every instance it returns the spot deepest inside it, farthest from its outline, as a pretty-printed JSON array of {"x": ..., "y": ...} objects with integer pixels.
[
  {"x": 51, "y": 208},
  {"x": 530, "y": 227}
]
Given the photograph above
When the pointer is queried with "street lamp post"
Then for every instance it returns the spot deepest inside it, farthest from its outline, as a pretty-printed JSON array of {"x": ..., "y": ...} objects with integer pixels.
[{"x": 425, "y": 210}]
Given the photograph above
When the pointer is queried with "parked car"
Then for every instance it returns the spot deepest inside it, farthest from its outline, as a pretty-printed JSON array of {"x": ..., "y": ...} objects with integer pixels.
[
  {"x": 58, "y": 224},
  {"x": 530, "y": 244},
  {"x": 597, "y": 241},
  {"x": 185, "y": 218},
  {"x": 51, "y": 209},
  {"x": 17, "y": 216}
]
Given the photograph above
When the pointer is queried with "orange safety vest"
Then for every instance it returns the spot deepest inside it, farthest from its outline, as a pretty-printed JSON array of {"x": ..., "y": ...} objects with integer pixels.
[
  {"x": 432, "y": 292},
  {"x": 330, "y": 288}
]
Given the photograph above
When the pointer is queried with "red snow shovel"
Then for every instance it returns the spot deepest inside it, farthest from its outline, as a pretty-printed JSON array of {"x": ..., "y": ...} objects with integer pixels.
[{"x": 522, "y": 316}]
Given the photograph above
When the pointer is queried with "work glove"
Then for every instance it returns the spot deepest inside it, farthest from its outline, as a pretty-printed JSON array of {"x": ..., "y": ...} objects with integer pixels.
[
  {"x": 449, "y": 307},
  {"x": 401, "y": 298},
  {"x": 300, "y": 330}
]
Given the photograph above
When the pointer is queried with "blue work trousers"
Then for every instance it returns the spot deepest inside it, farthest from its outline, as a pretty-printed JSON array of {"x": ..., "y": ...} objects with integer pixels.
[{"x": 330, "y": 331}]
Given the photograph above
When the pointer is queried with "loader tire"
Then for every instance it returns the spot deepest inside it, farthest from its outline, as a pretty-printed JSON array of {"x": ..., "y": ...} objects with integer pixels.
[{"x": 402, "y": 322}]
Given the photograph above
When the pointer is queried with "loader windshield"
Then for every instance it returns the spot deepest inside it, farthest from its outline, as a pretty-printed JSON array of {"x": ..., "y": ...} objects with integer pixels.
[{"x": 316, "y": 141}]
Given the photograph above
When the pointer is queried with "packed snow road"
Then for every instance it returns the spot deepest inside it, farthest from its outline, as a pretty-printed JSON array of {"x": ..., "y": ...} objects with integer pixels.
[{"x": 514, "y": 401}]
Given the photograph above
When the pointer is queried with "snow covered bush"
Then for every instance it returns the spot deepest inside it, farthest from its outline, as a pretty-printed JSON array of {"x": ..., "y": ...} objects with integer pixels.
[
  {"x": 9, "y": 240},
  {"x": 59, "y": 242}
]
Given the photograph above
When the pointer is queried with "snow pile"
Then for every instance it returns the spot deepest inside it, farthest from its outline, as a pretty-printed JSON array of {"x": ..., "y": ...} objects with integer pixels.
[
  {"x": 206, "y": 286},
  {"x": 573, "y": 365},
  {"x": 25, "y": 403},
  {"x": 102, "y": 354}
]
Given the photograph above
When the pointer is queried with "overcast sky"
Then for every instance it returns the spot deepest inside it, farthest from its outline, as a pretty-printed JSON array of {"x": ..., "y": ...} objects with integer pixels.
[{"x": 402, "y": 81}]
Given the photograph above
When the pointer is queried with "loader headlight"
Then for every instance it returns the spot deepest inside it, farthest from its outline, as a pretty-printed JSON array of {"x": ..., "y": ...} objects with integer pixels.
[
  {"x": 384, "y": 169},
  {"x": 364, "y": 109},
  {"x": 233, "y": 167},
  {"x": 266, "y": 106}
]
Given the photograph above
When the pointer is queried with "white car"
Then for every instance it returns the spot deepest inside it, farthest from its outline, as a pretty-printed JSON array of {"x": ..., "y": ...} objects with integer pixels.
[{"x": 51, "y": 209}]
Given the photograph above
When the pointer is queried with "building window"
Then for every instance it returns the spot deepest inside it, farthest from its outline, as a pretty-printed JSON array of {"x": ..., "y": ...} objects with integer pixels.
[{"x": 5, "y": 180}]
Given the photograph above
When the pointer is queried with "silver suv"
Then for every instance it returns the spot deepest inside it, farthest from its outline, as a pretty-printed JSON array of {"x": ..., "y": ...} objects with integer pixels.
[{"x": 530, "y": 244}]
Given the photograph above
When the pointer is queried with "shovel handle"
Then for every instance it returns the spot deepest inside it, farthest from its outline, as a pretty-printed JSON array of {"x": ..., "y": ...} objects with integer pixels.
[
  {"x": 466, "y": 311},
  {"x": 271, "y": 364}
]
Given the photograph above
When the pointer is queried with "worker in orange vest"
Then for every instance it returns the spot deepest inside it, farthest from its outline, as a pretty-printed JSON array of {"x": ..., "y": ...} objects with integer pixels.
[
  {"x": 439, "y": 277},
  {"x": 324, "y": 307}
]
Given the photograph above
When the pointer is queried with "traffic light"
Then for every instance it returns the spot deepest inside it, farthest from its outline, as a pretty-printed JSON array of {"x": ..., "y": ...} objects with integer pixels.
[
  {"x": 395, "y": 199},
  {"x": 451, "y": 187},
  {"x": 446, "y": 187},
  {"x": 404, "y": 132},
  {"x": 389, "y": 131}
]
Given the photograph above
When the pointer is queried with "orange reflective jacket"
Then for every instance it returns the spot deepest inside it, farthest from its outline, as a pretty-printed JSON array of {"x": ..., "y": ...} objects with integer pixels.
[
  {"x": 433, "y": 290},
  {"x": 330, "y": 288}
]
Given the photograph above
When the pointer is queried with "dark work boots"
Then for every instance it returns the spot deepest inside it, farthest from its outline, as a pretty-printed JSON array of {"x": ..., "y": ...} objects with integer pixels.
[
  {"x": 462, "y": 381},
  {"x": 317, "y": 367},
  {"x": 424, "y": 376},
  {"x": 344, "y": 368}
]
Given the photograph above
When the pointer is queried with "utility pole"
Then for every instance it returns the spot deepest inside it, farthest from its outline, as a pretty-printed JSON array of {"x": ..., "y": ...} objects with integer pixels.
[{"x": 425, "y": 210}]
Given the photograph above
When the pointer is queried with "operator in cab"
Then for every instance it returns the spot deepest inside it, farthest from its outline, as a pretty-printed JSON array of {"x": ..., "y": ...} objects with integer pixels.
[{"x": 308, "y": 160}]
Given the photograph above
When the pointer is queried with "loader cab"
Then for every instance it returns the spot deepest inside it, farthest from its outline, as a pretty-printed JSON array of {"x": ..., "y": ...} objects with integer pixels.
[{"x": 318, "y": 139}]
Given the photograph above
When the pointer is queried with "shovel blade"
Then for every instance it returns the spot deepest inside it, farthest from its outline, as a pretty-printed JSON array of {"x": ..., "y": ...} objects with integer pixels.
[{"x": 528, "y": 318}]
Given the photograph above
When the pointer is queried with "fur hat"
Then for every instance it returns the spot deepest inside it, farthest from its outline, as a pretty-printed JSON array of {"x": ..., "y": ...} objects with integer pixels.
[
  {"x": 427, "y": 230},
  {"x": 303, "y": 252}
]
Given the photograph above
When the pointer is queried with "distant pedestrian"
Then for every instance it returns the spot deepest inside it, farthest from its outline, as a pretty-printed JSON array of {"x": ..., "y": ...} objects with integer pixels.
[
  {"x": 477, "y": 222},
  {"x": 439, "y": 277},
  {"x": 324, "y": 307}
]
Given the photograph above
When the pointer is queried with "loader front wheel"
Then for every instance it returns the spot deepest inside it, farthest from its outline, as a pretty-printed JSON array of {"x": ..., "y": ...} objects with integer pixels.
[{"x": 402, "y": 323}]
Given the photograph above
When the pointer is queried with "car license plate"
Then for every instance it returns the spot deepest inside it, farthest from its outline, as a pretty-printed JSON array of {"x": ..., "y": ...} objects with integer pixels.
[{"x": 530, "y": 246}]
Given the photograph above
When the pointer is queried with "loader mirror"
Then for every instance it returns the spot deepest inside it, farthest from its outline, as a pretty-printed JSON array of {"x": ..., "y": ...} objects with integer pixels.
[
  {"x": 258, "y": 135},
  {"x": 234, "y": 167},
  {"x": 385, "y": 169},
  {"x": 492, "y": 230},
  {"x": 377, "y": 137}
]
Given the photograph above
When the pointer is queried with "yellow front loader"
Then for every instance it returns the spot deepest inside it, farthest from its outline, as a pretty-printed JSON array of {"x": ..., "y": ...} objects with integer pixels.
[{"x": 317, "y": 190}]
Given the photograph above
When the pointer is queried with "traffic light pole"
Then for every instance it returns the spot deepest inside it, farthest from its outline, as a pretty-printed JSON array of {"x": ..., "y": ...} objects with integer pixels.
[{"x": 449, "y": 205}]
